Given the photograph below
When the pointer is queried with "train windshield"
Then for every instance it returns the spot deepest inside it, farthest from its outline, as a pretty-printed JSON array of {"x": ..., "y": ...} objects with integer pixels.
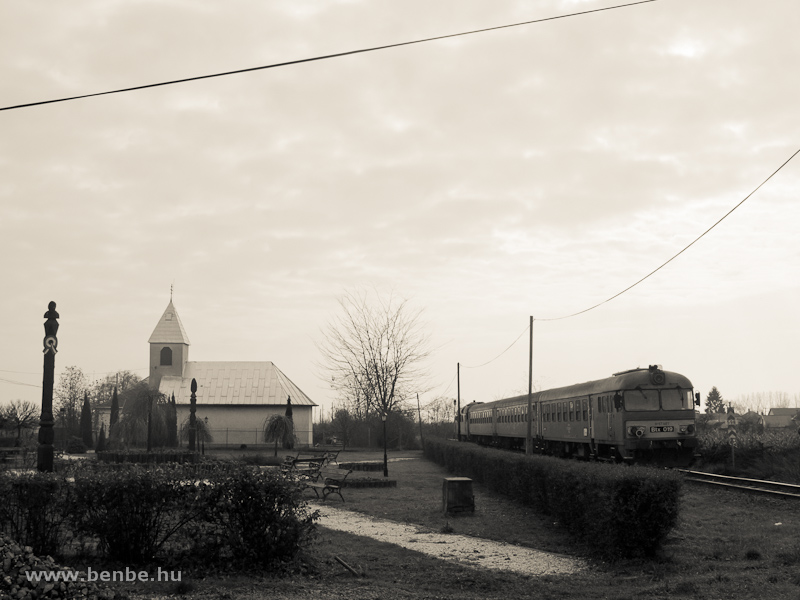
[
  {"x": 641, "y": 400},
  {"x": 676, "y": 399}
]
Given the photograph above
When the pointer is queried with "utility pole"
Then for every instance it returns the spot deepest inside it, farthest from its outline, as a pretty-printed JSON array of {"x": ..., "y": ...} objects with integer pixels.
[
  {"x": 528, "y": 437},
  {"x": 419, "y": 416},
  {"x": 458, "y": 410}
]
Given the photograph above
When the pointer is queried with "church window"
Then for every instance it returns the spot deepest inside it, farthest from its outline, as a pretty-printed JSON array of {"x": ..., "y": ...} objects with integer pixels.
[{"x": 166, "y": 356}]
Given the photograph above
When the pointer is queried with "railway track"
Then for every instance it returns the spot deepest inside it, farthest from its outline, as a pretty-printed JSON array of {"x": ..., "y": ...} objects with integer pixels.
[{"x": 756, "y": 486}]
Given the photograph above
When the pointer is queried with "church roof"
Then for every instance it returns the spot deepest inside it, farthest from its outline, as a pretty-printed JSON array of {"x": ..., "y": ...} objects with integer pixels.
[
  {"x": 169, "y": 329},
  {"x": 234, "y": 383}
]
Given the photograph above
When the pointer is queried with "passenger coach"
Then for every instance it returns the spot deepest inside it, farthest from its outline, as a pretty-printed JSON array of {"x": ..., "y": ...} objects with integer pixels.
[{"x": 641, "y": 415}]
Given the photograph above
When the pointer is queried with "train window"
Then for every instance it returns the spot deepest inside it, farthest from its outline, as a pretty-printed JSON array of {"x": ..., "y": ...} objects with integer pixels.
[
  {"x": 641, "y": 400},
  {"x": 571, "y": 410},
  {"x": 586, "y": 410},
  {"x": 676, "y": 400}
]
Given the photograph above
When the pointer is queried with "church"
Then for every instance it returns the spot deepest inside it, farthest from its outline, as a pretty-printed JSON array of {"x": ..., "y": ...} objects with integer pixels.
[{"x": 234, "y": 399}]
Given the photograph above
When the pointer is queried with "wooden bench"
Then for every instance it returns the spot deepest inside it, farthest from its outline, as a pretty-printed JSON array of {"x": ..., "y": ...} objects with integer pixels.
[
  {"x": 7, "y": 452},
  {"x": 331, "y": 456},
  {"x": 302, "y": 468},
  {"x": 330, "y": 481}
]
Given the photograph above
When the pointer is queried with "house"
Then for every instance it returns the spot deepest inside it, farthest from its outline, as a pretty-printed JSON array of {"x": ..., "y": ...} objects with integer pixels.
[
  {"x": 779, "y": 418},
  {"x": 234, "y": 399}
]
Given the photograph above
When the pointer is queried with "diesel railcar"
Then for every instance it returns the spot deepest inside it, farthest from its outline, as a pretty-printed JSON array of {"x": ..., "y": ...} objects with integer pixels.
[{"x": 636, "y": 416}]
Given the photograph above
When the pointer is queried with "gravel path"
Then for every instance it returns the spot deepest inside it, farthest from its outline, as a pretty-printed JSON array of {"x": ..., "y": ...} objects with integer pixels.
[{"x": 471, "y": 551}]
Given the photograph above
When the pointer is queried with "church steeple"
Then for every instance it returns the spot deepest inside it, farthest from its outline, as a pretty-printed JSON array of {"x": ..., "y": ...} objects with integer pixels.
[{"x": 169, "y": 346}]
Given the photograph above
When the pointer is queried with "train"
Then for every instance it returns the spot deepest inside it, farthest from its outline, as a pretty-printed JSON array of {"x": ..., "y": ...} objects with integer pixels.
[{"x": 638, "y": 416}]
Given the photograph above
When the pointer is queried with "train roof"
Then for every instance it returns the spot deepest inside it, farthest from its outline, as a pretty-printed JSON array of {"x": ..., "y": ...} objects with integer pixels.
[{"x": 625, "y": 380}]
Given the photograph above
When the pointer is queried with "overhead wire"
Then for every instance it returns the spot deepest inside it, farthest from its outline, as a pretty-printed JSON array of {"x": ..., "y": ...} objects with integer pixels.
[
  {"x": 697, "y": 239},
  {"x": 323, "y": 57},
  {"x": 651, "y": 273}
]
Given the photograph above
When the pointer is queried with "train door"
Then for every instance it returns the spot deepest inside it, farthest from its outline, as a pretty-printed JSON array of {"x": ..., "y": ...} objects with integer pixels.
[{"x": 590, "y": 425}]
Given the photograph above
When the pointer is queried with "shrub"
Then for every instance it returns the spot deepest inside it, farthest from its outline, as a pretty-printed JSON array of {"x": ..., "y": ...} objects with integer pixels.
[
  {"x": 35, "y": 509},
  {"x": 616, "y": 510},
  {"x": 75, "y": 445},
  {"x": 259, "y": 516},
  {"x": 133, "y": 511}
]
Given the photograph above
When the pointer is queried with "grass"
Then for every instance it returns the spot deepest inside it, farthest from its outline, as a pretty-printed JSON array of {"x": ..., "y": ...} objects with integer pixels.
[{"x": 726, "y": 545}]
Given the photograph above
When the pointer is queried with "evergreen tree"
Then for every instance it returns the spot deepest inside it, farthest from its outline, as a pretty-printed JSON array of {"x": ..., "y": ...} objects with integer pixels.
[
  {"x": 86, "y": 422},
  {"x": 114, "y": 410},
  {"x": 714, "y": 401},
  {"x": 172, "y": 423},
  {"x": 101, "y": 439}
]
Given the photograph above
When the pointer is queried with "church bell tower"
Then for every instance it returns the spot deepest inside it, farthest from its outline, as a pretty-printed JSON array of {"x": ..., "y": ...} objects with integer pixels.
[{"x": 169, "y": 347}]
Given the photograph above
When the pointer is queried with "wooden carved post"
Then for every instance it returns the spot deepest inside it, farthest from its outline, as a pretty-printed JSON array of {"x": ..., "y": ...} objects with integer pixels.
[
  {"x": 46, "y": 434},
  {"x": 192, "y": 418}
]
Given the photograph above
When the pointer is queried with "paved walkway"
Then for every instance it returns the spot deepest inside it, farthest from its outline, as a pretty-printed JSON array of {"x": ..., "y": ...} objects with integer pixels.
[{"x": 466, "y": 550}]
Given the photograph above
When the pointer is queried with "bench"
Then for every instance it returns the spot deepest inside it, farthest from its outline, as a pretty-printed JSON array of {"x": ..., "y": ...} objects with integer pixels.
[
  {"x": 329, "y": 455},
  {"x": 302, "y": 468},
  {"x": 7, "y": 452},
  {"x": 330, "y": 481}
]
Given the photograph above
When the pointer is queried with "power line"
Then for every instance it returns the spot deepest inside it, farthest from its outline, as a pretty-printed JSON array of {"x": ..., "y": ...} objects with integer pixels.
[
  {"x": 499, "y": 355},
  {"x": 324, "y": 57},
  {"x": 3, "y": 380},
  {"x": 653, "y": 272}
]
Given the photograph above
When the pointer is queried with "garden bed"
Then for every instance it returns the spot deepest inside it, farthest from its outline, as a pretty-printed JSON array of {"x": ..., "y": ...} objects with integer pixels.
[
  {"x": 362, "y": 465},
  {"x": 370, "y": 482}
]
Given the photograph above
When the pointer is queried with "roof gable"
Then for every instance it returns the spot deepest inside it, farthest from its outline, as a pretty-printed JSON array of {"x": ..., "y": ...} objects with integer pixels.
[{"x": 169, "y": 329}]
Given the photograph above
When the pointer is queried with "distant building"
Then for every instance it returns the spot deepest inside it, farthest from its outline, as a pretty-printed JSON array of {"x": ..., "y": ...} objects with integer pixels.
[
  {"x": 236, "y": 397},
  {"x": 778, "y": 418}
]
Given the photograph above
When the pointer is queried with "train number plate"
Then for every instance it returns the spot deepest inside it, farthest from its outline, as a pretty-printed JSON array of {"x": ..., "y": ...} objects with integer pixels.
[{"x": 665, "y": 429}]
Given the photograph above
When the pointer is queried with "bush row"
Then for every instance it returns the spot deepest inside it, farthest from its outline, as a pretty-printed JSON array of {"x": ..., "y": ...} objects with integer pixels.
[
  {"x": 134, "y": 515},
  {"x": 616, "y": 510},
  {"x": 767, "y": 455},
  {"x": 141, "y": 456}
]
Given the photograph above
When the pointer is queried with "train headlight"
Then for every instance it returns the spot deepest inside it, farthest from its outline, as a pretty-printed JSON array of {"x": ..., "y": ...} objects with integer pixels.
[
  {"x": 634, "y": 431},
  {"x": 686, "y": 429}
]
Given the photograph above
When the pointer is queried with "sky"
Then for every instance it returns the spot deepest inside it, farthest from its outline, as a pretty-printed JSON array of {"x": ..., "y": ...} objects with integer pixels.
[{"x": 536, "y": 170}]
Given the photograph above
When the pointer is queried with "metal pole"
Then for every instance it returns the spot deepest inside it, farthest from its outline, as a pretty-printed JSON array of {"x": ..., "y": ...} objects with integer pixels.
[
  {"x": 419, "y": 416},
  {"x": 385, "y": 458},
  {"x": 529, "y": 437},
  {"x": 44, "y": 458},
  {"x": 458, "y": 410},
  {"x": 192, "y": 421}
]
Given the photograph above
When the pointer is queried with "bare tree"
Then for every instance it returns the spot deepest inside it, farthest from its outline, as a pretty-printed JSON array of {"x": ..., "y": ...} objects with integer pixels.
[
  {"x": 20, "y": 414},
  {"x": 375, "y": 353},
  {"x": 68, "y": 395}
]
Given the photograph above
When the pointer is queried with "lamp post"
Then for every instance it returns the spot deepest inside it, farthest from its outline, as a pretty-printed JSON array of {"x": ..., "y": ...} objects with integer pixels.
[
  {"x": 192, "y": 417},
  {"x": 385, "y": 460}
]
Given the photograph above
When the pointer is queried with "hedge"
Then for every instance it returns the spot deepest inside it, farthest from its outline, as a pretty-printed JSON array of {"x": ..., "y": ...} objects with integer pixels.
[
  {"x": 138, "y": 513},
  {"x": 617, "y": 510}
]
